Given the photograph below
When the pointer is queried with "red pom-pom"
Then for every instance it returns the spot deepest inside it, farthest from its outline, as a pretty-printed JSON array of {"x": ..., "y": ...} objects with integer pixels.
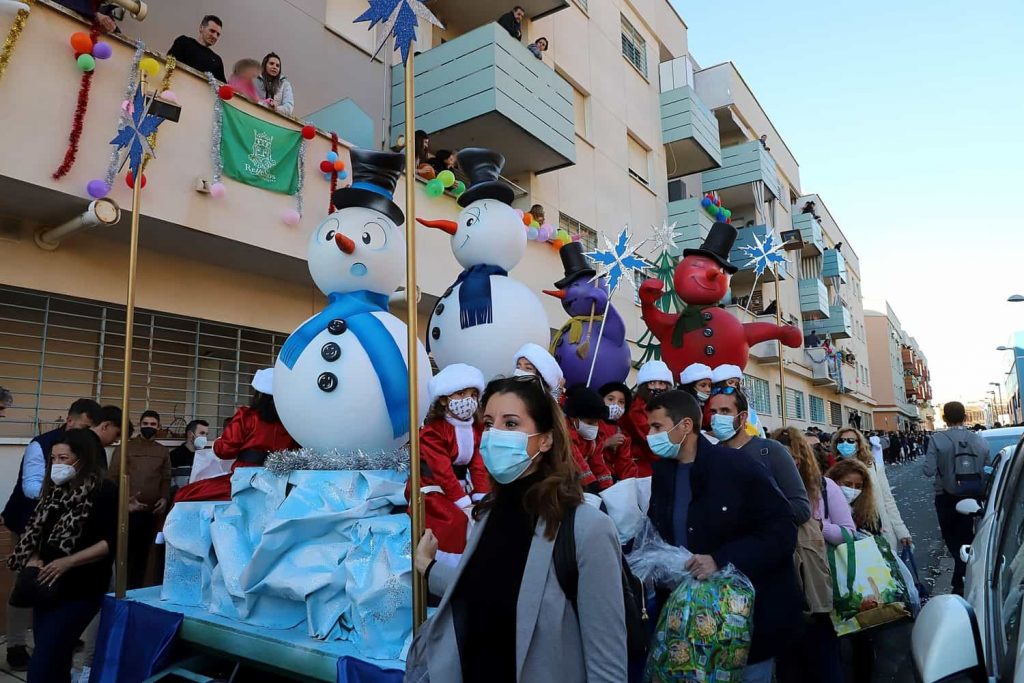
[
  {"x": 308, "y": 132},
  {"x": 225, "y": 92},
  {"x": 81, "y": 42},
  {"x": 129, "y": 180},
  {"x": 326, "y": 166}
]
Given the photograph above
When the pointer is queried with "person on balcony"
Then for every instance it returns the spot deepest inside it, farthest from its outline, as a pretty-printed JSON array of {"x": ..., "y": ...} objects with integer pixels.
[
  {"x": 538, "y": 47},
  {"x": 445, "y": 160},
  {"x": 243, "y": 78},
  {"x": 423, "y": 156},
  {"x": 101, "y": 15},
  {"x": 272, "y": 88},
  {"x": 199, "y": 54},
  {"x": 513, "y": 22}
]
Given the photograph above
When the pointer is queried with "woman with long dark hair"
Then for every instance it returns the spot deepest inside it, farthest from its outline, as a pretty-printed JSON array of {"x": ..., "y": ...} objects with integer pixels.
[
  {"x": 253, "y": 432},
  {"x": 273, "y": 89},
  {"x": 503, "y": 615},
  {"x": 65, "y": 554}
]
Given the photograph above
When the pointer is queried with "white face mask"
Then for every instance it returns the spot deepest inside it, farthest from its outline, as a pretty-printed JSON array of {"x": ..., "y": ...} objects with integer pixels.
[
  {"x": 463, "y": 408},
  {"x": 519, "y": 372},
  {"x": 61, "y": 473},
  {"x": 615, "y": 411},
  {"x": 588, "y": 432},
  {"x": 199, "y": 442},
  {"x": 850, "y": 494}
]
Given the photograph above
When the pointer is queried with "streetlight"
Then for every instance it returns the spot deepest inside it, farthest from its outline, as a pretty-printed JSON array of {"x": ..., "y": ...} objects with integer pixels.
[
  {"x": 1004, "y": 348},
  {"x": 1015, "y": 298},
  {"x": 999, "y": 387}
]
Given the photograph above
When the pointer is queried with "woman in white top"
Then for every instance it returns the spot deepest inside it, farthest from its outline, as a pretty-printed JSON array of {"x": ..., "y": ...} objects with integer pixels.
[
  {"x": 850, "y": 443},
  {"x": 273, "y": 88}
]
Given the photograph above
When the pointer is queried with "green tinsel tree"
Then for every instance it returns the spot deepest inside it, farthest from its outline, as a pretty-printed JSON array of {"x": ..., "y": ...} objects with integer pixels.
[{"x": 664, "y": 268}]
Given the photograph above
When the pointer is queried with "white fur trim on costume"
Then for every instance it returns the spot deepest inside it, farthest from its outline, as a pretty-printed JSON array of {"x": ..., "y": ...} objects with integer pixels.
[
  {"x": 694, "y": 372},
  {"x": 477, "y": 497},
  {"x": 464, "y": 502},
  {"x": 724, "y": 372},
  {"x": 456, "y": 377},
  {"x": 654, "y": 371},
  {"x": 545, "y": 363}
]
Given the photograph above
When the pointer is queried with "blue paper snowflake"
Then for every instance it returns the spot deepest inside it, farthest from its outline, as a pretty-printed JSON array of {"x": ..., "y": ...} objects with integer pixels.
[
  {"x": 763, "y": 254},
  {"x": 618, "y": 260},
  {"x": 135, "y": 130},
  {"x": 399, "y": 18}
]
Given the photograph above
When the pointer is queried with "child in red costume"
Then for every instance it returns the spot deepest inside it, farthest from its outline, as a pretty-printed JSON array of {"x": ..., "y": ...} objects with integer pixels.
[
  {"x": 584, "y": 410},
  {"x": 616, "y": 446},
  {"x": 252, "y": 433},
  {"x": 533, "y": 359},
  {"x": 653, "y": 378},
  {"x": 453, "y": 474}
]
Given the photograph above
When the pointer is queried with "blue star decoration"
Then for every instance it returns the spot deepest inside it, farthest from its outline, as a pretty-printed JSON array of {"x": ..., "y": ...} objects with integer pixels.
[
  {"x": 398, "y": 18},
  {"x": 136, "y": 127},
  {"x": 618, "y": 260},
  {"x": 763, "y": 254}
]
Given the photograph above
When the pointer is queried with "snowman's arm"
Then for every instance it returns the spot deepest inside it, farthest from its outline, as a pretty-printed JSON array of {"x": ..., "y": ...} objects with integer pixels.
[
  {"x": 760, "y": 332},
  {"x": 658, "y": 322}
]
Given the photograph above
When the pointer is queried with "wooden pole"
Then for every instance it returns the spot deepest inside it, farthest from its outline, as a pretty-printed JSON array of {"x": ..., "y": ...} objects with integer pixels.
[
  {"x": 782, "y": 352},
  {"x": 121, "y": 556},
  {"x": 419, "y": 592}
]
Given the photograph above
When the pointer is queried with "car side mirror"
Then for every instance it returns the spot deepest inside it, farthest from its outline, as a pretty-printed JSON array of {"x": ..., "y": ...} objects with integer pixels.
[
  {"x": 969, "y": 507},
  {"x": 939, "y": 644}
]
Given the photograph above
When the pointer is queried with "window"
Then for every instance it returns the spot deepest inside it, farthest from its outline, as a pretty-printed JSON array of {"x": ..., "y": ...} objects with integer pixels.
[
  {"x": 835, "y": 417},
  {"x": 588, "y": 236},
  {"x": 634, "y": 47},
  {"x": 582, "y": 5},
  {"x": 639, "y": 161},
  {"x": 55, "y": 349},
  {"x": 581, "y": 110},
  {"x": 817, "y": 409},
  {"x": 757, "y": 392},
  {"x": 794, "y": 403}
]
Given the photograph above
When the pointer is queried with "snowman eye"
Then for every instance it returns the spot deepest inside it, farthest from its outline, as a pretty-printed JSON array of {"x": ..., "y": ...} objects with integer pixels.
[
  {"x": 472, "y": 216},
  {"x": 374, "y": 235},
  {"x": 329, "y": 236}
]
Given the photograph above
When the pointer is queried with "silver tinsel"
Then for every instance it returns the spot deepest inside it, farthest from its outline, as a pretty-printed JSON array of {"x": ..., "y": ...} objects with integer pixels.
[
  {"x": 283, "y": 462},
  {"x": 218, "y": 121},
  {"x": 129, "y": 95},
  {"x": 302, "y": 176}
]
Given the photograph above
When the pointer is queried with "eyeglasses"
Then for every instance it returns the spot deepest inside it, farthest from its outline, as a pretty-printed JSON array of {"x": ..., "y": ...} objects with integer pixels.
[
  {"x": 723, "y": 390},
  {"x": 848, "y": 439}
]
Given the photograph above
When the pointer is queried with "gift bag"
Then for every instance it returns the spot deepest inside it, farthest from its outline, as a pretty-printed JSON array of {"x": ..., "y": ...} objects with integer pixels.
[{"x": 868, "y": 588}]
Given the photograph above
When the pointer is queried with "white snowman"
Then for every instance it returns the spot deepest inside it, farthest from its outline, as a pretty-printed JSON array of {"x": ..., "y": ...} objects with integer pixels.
[
  {"x": 342, "y": 378},
  {"x": 486, "y": 316}
]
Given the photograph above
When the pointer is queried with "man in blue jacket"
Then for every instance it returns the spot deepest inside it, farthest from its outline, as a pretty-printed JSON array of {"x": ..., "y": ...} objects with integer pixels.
[{"x": 723, "y": 506}]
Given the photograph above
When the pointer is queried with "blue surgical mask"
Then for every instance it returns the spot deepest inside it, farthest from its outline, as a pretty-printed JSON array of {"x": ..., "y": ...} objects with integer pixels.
[
  {"x": 504, "y": 453},
  {"x": 723, "y": 427},
  {"x": 662, "y": 446},
  {"x": 846, "y": 449}
]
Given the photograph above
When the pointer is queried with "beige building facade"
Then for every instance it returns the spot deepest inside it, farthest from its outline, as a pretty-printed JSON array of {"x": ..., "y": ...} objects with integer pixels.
[{"x": 899, "y": 372}]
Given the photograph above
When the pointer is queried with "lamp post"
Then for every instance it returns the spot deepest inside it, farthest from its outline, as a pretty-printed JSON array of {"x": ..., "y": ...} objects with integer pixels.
[
  {"x": 999, "y": 388},
  {"x": 1015, "y": 298}
]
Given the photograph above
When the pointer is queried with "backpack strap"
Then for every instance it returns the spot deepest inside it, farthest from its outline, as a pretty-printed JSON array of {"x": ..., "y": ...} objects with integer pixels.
[{"x": 564, "y": 555}]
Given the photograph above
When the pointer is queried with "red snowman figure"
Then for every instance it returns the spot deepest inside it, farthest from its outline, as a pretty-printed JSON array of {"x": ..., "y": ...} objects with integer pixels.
[{"x": 703, "y": 332}]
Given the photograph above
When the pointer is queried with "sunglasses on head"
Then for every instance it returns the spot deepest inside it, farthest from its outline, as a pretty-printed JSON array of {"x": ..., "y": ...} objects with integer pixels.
[{"x": 723, "y": 390}]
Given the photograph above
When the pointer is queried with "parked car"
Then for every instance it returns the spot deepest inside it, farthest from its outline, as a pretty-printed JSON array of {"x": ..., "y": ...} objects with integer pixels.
[
  {"x": 998, "y": 439},
  {"x": 977, "y": 638}
]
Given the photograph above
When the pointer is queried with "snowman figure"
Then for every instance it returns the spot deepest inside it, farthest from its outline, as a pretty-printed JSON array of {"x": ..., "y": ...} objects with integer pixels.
[
  {"x": 485, "y": 316},
  {"x": 342, "y": 378}
]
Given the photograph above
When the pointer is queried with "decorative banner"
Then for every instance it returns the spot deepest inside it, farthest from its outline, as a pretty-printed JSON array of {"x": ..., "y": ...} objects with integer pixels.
[
  {"x": 399, "y": 19},
  {"x": 259, "y": 153}
]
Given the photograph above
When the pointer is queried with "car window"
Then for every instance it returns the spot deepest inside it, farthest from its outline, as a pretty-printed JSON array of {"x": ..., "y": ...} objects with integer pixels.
[{"x": 1009, "y": 565}]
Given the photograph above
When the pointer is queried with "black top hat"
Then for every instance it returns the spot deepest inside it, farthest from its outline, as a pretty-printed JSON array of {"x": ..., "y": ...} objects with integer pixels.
[
  {"x": 483, "y": 166},
  {"x": 574, "y": 263},
  {"x": 717, "y": 246},
  {"x": 374, "y": 176},
  {"x": 583, "y": 402}
]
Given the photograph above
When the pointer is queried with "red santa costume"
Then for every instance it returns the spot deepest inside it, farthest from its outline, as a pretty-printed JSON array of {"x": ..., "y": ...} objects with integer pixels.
[
  {"x": 247, "y": 439},
  {"x": 634, "y": 422},
  {"x": 453, "y": 473},
  {"x": 582, "y": 404},
  {"x": 619, "y": 458}
]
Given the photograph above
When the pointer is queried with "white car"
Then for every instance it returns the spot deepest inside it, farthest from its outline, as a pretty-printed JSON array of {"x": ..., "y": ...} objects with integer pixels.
[{"x": 977, "y": 638}]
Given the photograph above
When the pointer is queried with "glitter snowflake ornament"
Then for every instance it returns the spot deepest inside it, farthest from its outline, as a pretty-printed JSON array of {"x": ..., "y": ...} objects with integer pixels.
[
  {"x": 136, "y": 127},
  {"x": 618, "y": 260},
  {"x": 398, "y": 18},
  {"x": 663, "y": 237},
  {"x": 763, "y": 254}
]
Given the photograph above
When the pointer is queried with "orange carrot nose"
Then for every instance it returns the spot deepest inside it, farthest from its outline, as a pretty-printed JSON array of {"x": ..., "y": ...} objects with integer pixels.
[
  {"x": 557, "y": 293},
  {"x": 344, "y": 243},
  {"x": 448, "y": 226}
]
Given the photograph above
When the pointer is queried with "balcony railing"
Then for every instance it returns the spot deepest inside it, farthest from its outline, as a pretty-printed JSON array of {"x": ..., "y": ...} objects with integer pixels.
[
  {"x": 810, "y": 232},
  {"x": 833, "y": 264},
  {"x": 692, "y": 223},
  {"x": 813, "y": 297},
  {"x": 688, "y": 128},
  {"x": 485, "y": 89},
  {"x": 741, "y": 165},
  {"x": 838, "y": 324},
  {"x": 825, "y": 370}
]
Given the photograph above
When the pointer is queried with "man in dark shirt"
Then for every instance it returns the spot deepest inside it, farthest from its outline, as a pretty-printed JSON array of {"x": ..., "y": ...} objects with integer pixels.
[
  {"x": 184, "y": 455},
  {"x": 513, "y": 22},
  {"x": 197, "y": 53}
]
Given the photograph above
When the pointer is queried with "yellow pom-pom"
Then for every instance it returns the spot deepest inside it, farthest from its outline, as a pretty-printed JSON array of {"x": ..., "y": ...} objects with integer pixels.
[{"x": 150, "y": 66}]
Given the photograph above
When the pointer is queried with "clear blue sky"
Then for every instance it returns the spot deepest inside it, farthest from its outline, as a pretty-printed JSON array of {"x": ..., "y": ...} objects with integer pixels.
[{"x": 908, "y": 119}]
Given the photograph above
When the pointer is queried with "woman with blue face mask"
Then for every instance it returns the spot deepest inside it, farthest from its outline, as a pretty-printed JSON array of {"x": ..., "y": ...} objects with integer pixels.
[
  {"x": 849, "y": 443},
  {"x": 503, "y": 615}
]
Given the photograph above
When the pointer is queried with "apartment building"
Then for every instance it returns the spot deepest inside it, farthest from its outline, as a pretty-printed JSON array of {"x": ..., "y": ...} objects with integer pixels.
[
  {"x": 902, "y": 381},
  {"x": 1013, "y": 382}
]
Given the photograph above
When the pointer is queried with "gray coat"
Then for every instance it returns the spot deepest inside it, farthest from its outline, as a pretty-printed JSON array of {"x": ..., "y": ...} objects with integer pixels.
[{"x": 552, "y": 645}]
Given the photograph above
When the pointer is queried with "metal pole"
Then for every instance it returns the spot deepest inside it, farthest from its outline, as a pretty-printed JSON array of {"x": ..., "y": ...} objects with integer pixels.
[
  {"x": 419, "y": 592},
  {"x": 121, "y": 574},
  {"x": 782, "y": 352}
]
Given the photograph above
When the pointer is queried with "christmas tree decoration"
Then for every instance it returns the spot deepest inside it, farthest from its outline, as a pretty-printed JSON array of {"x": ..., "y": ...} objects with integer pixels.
[{"x": 664, "y": 265}]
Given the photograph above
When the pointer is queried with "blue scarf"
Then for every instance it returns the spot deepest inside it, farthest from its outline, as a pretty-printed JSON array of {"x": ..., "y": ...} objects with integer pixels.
[
  {"x": 475, "y": 305},
  {"x": 356, "y": 309}
]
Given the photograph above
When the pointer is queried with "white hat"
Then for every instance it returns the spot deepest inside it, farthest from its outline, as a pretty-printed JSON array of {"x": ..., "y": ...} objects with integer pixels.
[
  {"x": 724, "y": 372},
  {"x": 694, "y": 373},
  {"x": 263, "y": 381},
  {"x": 654, "y": 371},
  {"x": 455, "y": 377},
  {"x": 545, "y": 363}
]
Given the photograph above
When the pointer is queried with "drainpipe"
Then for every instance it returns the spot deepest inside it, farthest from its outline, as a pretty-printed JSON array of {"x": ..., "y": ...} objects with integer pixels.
[{"x": 99, "y": 212}]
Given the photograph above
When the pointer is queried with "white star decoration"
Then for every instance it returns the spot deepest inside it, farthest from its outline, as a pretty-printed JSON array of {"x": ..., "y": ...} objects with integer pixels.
[{"x": 663, "y": 237}]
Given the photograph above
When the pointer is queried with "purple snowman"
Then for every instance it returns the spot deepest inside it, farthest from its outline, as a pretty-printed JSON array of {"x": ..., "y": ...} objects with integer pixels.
[{"x": 575, "y": 344}]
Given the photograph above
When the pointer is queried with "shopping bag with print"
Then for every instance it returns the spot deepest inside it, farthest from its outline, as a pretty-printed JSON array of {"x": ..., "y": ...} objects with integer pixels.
[{"x": 867, "y": 585}]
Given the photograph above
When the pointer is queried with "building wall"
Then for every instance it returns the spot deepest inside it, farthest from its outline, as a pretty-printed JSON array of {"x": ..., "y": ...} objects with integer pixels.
[{"x": 885, "y": 350}]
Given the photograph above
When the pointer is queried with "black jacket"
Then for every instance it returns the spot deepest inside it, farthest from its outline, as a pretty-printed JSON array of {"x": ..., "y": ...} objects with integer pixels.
[
  {"x": 739, "y": 516},
  {"x": 508, "y": 22},
  {"x": 20, "y": 507}
]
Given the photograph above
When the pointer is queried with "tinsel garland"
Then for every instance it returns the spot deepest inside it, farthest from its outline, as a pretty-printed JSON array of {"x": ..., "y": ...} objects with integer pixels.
[
  {"x": 334, "y": 175},
  {"x": 302, "y": 176},
  {"x": 283, "y": 462},
  {"x": 169, "y": 66},
  {"x": 78, "y": 123},
  {"x": 12, "y": 39},
  {"x": 125, "y": 117},
  {"x": 218, "y": 122}
]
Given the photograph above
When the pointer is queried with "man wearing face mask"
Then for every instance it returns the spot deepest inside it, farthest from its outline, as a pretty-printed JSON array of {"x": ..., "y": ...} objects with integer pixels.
[
  {"x": 584, "y": 410},
  {"x": 724, "y": 507},
  {"x": 729, "y": 415},
  {"x": 149, "y": 491},
  {"x": 182, "y": 457}
]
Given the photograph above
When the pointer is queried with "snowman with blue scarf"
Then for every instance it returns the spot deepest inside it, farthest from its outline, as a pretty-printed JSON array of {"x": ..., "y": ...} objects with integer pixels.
[
  {"x": 485, "y": 316},
  {"x": 342, "y": 378}
]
